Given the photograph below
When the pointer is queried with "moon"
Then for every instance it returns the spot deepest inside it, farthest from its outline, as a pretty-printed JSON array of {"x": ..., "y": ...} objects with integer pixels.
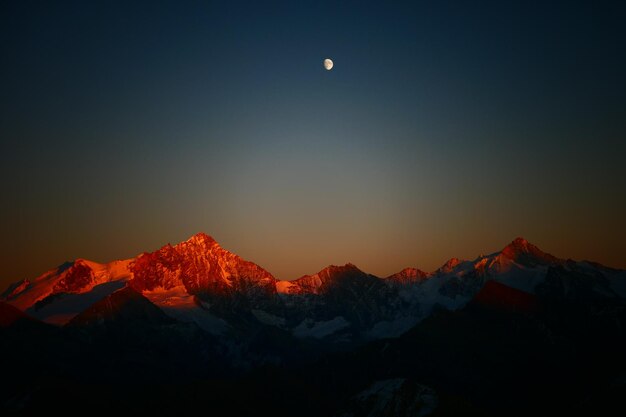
[{"x": 328, "y": 64}]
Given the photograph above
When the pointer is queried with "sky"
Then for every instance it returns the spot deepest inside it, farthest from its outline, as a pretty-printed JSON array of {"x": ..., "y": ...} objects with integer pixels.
[{"x": 444, "y": 129}]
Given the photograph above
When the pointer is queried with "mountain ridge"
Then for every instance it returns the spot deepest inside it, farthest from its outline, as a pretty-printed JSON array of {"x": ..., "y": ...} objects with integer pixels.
[
  {"x": 516, "y": 248},
  {"x": 200, "y": 282}
]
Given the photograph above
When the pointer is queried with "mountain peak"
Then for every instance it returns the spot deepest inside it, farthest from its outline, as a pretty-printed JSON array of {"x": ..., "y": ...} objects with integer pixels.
[
  {"x": 410, "y": 272},
  {"x": 199, "y": 264},
  {"x": 332, "y": 278},
  {"x": 123, "y": 305},
  {"x": 341, "y": 269},
  {"x": 450, "y": 265},
  {"x": 408, "y": 275},
  {"x": 201, "y": 237},
  {"x": 333, "y": 271},
  {"x": 521, "y": 243},
  {"x": 524, "y": 252}
]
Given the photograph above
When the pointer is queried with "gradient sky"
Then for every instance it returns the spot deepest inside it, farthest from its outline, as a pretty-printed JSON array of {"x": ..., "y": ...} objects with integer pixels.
[{"x": 445, "y": 129}]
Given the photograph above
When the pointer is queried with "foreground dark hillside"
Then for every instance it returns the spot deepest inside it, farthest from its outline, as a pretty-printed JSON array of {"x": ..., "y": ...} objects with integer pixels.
[{"x": 545, "y": 355}]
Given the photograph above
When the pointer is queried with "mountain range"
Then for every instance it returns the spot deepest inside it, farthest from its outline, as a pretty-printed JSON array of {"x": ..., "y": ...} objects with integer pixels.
[
  {"x": 198, "y": 281},
  {"x": 195, "y": 310}
]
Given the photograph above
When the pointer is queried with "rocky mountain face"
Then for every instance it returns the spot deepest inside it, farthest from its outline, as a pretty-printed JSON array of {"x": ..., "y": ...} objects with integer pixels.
[{"x": 204, "y": 269}]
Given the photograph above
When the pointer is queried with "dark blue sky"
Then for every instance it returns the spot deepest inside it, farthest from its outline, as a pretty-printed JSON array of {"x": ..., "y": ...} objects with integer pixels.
[{"x": 444, "y": 129}]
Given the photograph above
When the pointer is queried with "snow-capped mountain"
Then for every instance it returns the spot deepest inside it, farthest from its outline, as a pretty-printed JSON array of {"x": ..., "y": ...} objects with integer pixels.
[
  {"x": 203, "y": 268},
  {"x": 61, "y": 293},
  {"x": 198, "y": 281}
]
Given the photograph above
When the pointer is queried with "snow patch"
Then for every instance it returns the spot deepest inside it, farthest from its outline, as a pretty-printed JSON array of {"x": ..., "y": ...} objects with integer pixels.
[
  {"x": 385, "y": 389},
  {"x": 62, "y": 307},
  {"x": 385, "y": 329},
  {"x": 521, "y": 278},
  {"x": 320, "y": 329},
  {"x": 283, "y": 287},
  {"x": 177, "y": 303},
  {"x": 269, "y": 319}
]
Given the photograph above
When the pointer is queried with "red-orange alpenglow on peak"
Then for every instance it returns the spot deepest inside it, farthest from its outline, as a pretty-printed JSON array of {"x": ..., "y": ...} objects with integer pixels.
[{"x": 524, "y": 252}]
